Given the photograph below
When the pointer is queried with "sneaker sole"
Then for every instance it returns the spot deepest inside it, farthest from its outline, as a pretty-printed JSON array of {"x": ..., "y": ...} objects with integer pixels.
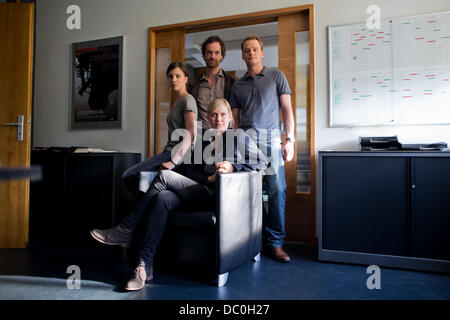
[{"x": 106, "y": 242}]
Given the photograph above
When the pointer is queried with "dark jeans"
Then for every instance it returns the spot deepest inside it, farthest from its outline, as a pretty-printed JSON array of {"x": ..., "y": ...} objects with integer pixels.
[
  {"x": 168, "y": 191},
  {"x": 131, "y": 175},
  {"x": 274, "y": 185}
]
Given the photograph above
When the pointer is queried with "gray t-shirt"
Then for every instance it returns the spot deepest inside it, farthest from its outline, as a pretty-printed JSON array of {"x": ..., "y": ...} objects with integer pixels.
[
  {"x": 175, "y": 118},
  {"x": 258, "y": 99}
]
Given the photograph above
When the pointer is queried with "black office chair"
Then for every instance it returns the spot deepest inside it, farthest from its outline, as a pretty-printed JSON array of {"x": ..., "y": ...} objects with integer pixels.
[{"x": 222, "y": 239}]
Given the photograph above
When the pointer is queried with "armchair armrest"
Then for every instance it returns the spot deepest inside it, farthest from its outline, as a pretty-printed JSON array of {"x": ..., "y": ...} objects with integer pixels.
[{"x": 239, "y": 218}]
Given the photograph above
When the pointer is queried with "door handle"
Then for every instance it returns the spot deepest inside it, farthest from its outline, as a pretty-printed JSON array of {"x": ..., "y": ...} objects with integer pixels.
[{"x": 19, "y": 125}]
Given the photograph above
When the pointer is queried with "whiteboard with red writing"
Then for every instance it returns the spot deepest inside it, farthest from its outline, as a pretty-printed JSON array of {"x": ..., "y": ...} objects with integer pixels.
[{"x": 398, "y": 74}]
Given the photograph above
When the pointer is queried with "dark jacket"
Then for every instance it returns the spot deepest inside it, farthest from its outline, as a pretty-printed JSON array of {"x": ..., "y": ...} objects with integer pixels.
[
  {"x": 194, "y": 85},
  {"x": 244, "y": 155},
  {"x": 194, "y": 88}
]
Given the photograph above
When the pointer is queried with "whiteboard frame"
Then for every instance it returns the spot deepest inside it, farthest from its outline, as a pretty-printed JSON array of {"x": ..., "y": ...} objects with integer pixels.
[{"x": 330, "y": 85}]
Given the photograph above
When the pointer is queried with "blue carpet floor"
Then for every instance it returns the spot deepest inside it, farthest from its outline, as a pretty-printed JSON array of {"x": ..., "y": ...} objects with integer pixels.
[{"x": 41, "y": 273}]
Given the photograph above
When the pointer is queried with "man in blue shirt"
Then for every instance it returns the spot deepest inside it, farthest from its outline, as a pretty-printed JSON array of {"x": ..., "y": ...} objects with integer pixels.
[{"x": 256, "y": 100}]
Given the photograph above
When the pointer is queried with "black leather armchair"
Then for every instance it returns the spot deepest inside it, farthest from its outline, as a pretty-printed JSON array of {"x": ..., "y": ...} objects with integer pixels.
[{"x": 222, "y": 239}]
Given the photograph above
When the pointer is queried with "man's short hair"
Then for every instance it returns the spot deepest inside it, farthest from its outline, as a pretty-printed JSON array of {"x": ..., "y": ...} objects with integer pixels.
[
  {"x": 212, "y": 39},
  {"x": 252, "y": 37}
]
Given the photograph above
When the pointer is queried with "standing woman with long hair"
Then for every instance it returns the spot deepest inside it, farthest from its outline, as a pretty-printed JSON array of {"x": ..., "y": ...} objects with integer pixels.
[{"x": 183, "y": 115}]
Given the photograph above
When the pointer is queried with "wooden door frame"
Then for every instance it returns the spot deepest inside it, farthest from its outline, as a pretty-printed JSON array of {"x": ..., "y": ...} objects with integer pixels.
[
  {"x": 229, "y": 22},
  {"x": 221, "y": 23},
  {"x": 160, "y": 39}
]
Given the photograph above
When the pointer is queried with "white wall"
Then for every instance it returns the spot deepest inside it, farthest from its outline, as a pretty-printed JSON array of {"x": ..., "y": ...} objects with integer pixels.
[
  {"x": 103, "y": 19},
  {"x": 107, "y": 18}
]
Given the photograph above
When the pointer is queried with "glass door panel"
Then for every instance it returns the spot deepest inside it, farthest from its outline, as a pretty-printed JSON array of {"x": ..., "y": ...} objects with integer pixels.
[
  {"x": 162, "y": 98},
  {"x": 165, "y": 47},
  {"x": 294, "y": 60},
  {"x": 303, "y": 112}
]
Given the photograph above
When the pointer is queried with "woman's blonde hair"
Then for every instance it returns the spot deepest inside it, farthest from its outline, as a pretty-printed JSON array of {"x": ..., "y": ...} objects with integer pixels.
[{"x": 213, "y": 105}]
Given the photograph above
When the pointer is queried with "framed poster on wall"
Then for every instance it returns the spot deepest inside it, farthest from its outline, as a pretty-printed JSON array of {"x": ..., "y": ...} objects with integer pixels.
[{"x": 97, "y": 84}]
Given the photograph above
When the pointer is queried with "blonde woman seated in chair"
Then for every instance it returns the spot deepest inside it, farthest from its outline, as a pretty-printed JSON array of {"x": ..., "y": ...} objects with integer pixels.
[{"x": 195, "y": 189}]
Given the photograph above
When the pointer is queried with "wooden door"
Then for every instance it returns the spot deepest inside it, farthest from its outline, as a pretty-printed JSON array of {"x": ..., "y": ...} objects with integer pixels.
[
  {"x": 292, "y": 23},
  {"x": 165, "y": 47},
  {"x": 300, "y": 198},
  {"x": 16, "y": 59}
]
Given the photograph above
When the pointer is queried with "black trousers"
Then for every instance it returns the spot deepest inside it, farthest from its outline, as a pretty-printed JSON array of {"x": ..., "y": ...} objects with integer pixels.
[{"x": 168, "y": 191}]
